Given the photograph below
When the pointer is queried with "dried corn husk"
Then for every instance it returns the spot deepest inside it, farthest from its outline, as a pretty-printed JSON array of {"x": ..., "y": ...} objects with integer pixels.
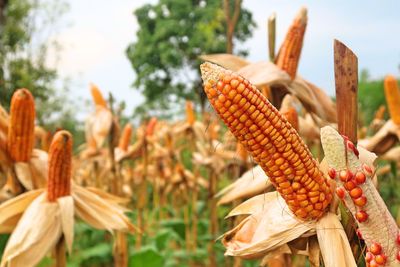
[
  {"x": 227, "y": 61},
  {"x": 251, "y": 183},
  {"x": 383, "y": 140},
  {"x": 98, "y": 125},
  {"x": 270, "y": 225}
]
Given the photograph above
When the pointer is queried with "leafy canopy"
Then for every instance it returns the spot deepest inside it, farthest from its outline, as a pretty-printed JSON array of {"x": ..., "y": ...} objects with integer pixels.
[{"x": 171, "y": 36}]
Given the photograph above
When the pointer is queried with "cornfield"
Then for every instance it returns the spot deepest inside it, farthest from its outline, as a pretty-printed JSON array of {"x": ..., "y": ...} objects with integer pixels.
[{"x": 274, "y": 173}]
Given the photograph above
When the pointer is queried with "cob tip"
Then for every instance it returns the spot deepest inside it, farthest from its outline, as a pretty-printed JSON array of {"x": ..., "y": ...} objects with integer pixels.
[
  {"x": 302, "y": 15},
  {"x": 272, "y": 17}
]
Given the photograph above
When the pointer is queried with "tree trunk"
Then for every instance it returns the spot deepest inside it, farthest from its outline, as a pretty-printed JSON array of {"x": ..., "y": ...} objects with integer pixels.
[{"x": 231, "y": 21}]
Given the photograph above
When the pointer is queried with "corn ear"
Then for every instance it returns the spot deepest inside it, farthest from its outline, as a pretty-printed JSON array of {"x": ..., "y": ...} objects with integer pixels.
[
  {"x": 190, "y": 116},
  {"x": 289, "y": 53},
  {"x": 392, "y": 94},
  {"x": 353, "y": 171},
  {"x": 21, "y": 137},
  {"x": 292, "y": 117},
  {"x": 97, "y": 96},
  {"x": 273, "y": 143},
  {"x": 150, "y": 126},
  {"x": 60, "y": 166},
  {"x": 125, "y": 137}
]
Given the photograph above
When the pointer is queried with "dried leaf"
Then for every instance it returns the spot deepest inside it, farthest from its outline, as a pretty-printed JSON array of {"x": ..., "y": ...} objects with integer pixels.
[
  {"x": 270, "y": 225},
  {"x": 333, "y": 242},
  {"x": 66, "y": 205},
  {"x": 228, "y": 61},
  {"x": 14, "y": 208},
  {"x": 251, "y": 183},
  {"x": 99, "y": 213},
  {"x": 36, "y": 233}
]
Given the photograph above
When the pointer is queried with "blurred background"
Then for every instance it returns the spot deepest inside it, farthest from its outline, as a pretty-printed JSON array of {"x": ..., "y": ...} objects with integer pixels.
[{"x": 146, "y": 54}]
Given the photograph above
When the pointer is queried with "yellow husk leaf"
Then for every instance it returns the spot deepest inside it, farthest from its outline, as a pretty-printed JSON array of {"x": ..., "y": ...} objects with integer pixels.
[
  {"x": 270, "y": 225},
  {"x": 264, "y": 73},
  {"x": 66, "y": 205},
  {"x": 36, "y": 233},
  {"x": 393, "y": 154},
  {"x": 228, "y": 61},
  {"x": 13, "y": 209},
  {"x": 98, "y": 125},
  {"x": 333, "y": 242},
  {"x": 251, "y": 183},
  {"x": 23, "y": 172},
  {"x": 99, "y": 213},
  {"x": 109, "y": 197},
  {"x": 384, "y": 133}
]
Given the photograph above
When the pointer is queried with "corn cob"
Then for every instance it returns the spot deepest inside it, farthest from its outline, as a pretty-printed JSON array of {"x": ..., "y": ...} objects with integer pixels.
[
  {"x": 392, "y": 94},
  {"x": 125, "y": 137},
  {"x": 190, "y": 116},
  {"x": 21, "y": 132},
  {"x": 242, "y": 152},
  {"x": 271, "y": 140},
  {"x": 60, "y": 166},
  {"x": 97, "y": 96},
  {"x": 150, "y": 126},
  {"x": 289, "y": 53},
  {"x": 292, "y": 117},
  {"x": 380, "y": 113},
  {"x": 356, "y": 189}
]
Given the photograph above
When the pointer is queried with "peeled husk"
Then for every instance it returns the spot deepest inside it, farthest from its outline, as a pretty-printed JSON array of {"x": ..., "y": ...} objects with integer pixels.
[
  {"x": 98, "y": 125},
  {"x": 39, "y": 229},
  {"x": 384, "y": 139},
  {"x": 251, "y": 183},
  {"x": 269, "y": 226},
  {"x": 33, "y": 174}
]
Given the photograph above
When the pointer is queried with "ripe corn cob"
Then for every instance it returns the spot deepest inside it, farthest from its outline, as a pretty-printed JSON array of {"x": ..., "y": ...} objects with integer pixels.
[
  {"x": 60, "y": 166},
  {"x": 21, "y": 132},
  {"x": 150, "y": 126},
  {"x": 271, "y": 140},
  {"x": 97, "y": 96},
  {"x": 125, "y": 138},
  {"x": 289, "y": 53},
  {"x": 292, "y": 117},
  {"x": 190, "y": 116},
  {"x": 356, "y": 189},
  {"x": 392, "y": 94}
]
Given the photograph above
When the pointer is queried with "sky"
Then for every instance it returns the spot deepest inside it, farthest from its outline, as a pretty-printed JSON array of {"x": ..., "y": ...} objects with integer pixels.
[{"x": 96, "y": 33}]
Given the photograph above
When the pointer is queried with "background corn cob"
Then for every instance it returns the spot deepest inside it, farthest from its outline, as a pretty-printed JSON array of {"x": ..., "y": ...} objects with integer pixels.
[
  {"x": 150, "y": 126},
  {"x": 269, "y": 137},
  {"x": 380, "y": 113},
  {"x": 392, "y": 94},
  {"x": 289, "y": 53},
  {"x": 292, "y": 117},
  {"x": 125, "y": 138},
  {"x": 190, "y": 116},
  {"x": 21, "y": 131},
  {"x": 60, "y": 166},
  {"x": 355, "y": 187},
  {"x": 97, "y": 96}
]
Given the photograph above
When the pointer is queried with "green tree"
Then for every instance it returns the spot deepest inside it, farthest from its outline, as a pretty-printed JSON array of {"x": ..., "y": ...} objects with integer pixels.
[
  {"x": 371, "y": 96},
  {"x": 172, "y": 34},
  {"x": 23, "y": 51},
  {"x": 25, "y": 27}
]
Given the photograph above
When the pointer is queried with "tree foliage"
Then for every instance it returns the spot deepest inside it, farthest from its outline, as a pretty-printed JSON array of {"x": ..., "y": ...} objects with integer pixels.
[
  {"x": 172, "y": 34},
  {"x": 371, "y": 96},
  {"x": 23, "y": 52}
]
